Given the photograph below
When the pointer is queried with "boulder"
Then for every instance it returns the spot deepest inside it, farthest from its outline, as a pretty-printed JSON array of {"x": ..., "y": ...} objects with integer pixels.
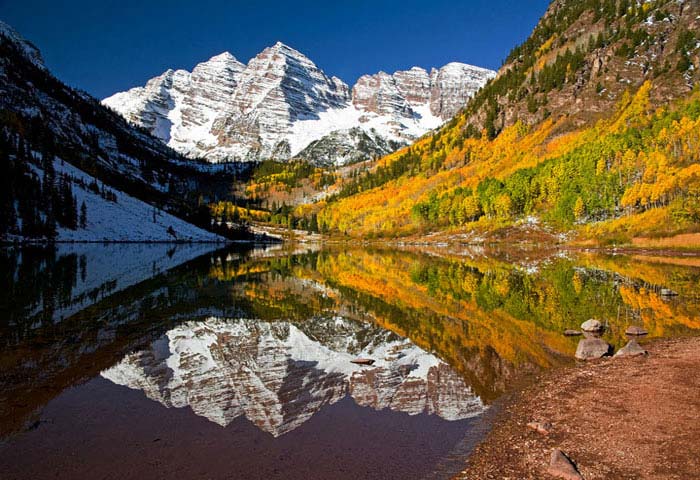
[
  {"x": 592, "y": 348},
  {"x": 632, "y": 349},
  {"x": 592, "y": 325},
  {"x": 572, "y": 333},
  {"x": 561, "y": 467},
  {"x": 635, "y": 330}
]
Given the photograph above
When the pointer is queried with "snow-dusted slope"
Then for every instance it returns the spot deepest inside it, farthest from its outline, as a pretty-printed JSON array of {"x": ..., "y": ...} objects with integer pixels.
[
  {"x": 29, "y": 51},
  {"x": 48, "y": 117},
  {"x": 278, "y": 374},
  {"x": 281, "y": 102},
  {"x": 125, "y": 219}
]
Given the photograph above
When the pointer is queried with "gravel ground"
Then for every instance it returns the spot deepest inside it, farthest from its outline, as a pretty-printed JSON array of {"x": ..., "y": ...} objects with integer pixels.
[{"x": 633, "y": 418}]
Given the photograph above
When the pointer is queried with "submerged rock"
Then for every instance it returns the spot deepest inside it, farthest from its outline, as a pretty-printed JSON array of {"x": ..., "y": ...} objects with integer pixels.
[
  {"x": 635, "y": 330},
  {"x": 632, "y": 349},
  {"x": 561, "y": 467},
  {"x": 572, "y": 333},
  {"x": 592, "y": 325},
  {"x": 592, "y": 348}
]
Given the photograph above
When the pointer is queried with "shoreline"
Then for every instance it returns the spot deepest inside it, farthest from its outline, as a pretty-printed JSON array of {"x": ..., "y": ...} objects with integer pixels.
[{"x": 622, "y": 418}]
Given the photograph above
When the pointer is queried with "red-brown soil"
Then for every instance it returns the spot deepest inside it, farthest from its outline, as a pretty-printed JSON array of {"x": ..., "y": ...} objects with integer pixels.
[{"x": 633, "y": 418}]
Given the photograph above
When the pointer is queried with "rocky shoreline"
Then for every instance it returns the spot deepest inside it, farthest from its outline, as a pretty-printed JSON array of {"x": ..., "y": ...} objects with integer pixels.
[{"x": 624, "y": 418}]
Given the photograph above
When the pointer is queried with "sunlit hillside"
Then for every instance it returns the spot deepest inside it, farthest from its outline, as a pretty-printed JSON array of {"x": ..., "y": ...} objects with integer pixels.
[{"x": 616, "y": 162}]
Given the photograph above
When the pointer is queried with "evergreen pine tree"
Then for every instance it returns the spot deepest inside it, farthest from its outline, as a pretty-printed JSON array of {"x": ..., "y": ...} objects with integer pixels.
[{"x": 83, "y": 215}]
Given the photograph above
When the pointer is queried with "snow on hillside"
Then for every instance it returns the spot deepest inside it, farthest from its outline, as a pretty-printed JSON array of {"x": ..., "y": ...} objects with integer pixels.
[
  {"x": 126, "y": 220},
  {"x": 306, "y": 131}
]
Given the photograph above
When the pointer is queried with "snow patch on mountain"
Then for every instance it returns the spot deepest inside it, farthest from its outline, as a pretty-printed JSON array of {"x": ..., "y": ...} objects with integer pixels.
[{"x": 127, "y": 219}]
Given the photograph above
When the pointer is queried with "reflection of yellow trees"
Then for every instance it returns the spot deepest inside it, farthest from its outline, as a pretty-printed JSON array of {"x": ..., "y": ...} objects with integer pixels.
[
  {"x": 530, "y": 311},
  {"x": 660, "y": 317},
  {"x": 470, "y": 282},
  {"x": 460, "y": 324},
  {"x": 577, "y": 282},
  {"x": 675, "y": 273},
  {"x": 228, "y": 271},
  {"x": 485, "y": 317}
]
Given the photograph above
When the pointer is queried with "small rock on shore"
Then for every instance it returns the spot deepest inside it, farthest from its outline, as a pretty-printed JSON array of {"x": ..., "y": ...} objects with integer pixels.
[
  {"x": 632, "y": 349},
  {"x": 592, "y": 325},
  {"x": 635, "y": 330},
  {"x": 592, "y": 348},
  {"x": 561, "y": 467}
]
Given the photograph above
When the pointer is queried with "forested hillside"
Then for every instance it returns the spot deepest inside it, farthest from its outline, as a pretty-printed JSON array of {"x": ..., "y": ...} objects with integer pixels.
[
  {"x": 45, "y": 123},
  {"x": 593, "y": 125}
]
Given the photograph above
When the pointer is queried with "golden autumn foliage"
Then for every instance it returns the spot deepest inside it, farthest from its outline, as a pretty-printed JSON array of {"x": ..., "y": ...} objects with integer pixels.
[{"x": 634, "y": 161}]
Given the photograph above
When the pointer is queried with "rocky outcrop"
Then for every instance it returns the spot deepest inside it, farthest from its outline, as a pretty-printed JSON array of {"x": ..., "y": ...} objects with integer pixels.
[
  {"x": 278, "y": 375},
  {"x": 379, "y": 94},
  {"x": 445, "y": 91},
  {"x": 354, "y": 145},
  {"x": 539, "y": 81},
  {"x": 281, "y": 102},
  {"x": 453, "y": 85},
  {"x": 414, "y": 84}
]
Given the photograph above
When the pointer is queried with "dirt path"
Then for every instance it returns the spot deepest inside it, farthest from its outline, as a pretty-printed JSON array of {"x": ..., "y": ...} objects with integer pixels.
[{"x": 634, "y": 418}]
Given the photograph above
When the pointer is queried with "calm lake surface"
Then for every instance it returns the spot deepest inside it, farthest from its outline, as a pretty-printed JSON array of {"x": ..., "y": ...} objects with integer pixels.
[{"x": 175, "y": 361}]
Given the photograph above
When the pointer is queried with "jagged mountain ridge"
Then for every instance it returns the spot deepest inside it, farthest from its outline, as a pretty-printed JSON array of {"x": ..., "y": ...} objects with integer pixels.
[
  {"x": 281, "y": 102},
  {"x": 279, "y": 374}
]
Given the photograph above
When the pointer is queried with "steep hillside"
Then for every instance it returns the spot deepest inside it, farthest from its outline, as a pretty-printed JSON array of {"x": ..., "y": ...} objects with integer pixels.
[
  {"x": 581, "y": 58},
  {"x": 612, "y": 153},
  {"x": 282, "y": 106},
  {"x": 66, "y": 161}
]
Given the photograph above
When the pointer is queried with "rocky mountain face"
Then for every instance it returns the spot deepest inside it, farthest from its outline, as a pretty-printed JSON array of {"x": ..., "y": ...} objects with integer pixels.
[
  {"x": 585, "y": 54},
  {"x": 444, "y": 92},
  {"x": 279, "y": 374},
  {"x": 281, "y": 102}
]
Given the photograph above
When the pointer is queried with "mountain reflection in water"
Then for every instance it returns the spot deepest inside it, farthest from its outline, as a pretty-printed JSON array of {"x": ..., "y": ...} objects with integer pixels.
[
  {"x": 266, "y": 338},
  {"x": 278, "y": 375}
]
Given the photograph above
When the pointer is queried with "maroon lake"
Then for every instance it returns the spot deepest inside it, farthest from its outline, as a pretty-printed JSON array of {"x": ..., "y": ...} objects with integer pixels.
[{"x": 161, "y": 361}]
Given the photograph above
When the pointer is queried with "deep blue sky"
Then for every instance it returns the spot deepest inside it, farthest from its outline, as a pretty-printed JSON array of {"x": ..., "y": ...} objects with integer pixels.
[{"x": 104, "y": 46}]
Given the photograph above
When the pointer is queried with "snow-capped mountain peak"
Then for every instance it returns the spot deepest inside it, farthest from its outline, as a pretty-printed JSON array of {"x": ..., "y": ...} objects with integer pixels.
[{"x": 281, "y": 102}]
